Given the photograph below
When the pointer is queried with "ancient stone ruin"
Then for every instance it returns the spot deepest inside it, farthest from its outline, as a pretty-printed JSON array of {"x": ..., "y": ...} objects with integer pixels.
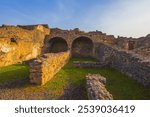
[
  {"x": 43, "y": 68},
  {"x": 47, "y": 50},
  {"x": 96, "y": 89}
]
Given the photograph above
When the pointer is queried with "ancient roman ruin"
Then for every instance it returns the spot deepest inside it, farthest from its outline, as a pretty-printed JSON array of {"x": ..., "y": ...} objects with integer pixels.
[{"x": 48, "y": 50}]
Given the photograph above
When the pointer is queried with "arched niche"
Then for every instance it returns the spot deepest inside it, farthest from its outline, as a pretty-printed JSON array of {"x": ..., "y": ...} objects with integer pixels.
[
  {"x": 57, "y": 44},
  {"x": 82, "y": 47}
]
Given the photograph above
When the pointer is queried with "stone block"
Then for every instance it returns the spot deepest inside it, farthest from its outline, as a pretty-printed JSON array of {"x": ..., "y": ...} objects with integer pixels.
[{"x": 95, "y": 84}]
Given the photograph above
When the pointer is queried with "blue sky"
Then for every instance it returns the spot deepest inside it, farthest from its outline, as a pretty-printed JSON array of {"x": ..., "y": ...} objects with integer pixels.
[{"x": 117, "y": 17}]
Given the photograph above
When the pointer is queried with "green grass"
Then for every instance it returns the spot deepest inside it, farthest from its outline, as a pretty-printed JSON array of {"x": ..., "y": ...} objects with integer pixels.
[
  {"x": 70, "y": 77},
  {"x": 13, "y": 72},
  {"x": 123, "y": 87}
]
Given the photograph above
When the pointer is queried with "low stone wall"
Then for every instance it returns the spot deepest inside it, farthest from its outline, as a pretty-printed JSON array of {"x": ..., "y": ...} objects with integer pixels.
[
  {"x": 87, "y": 64},
  {"x": 127, "y": 62},
  {"x": 96, "y": 89},
  {"x": 43, "y": 68},
  {"x": 132, "y": 66}
]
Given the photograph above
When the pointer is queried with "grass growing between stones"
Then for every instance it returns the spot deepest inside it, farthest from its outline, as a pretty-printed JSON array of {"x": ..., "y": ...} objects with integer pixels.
[{"x": 70, "y": 83}]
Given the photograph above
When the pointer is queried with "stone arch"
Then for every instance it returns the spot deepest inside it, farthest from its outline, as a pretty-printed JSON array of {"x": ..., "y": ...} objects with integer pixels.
[
  {"x": 57, "y": 44},
  {"x": 82, "y": 47}
]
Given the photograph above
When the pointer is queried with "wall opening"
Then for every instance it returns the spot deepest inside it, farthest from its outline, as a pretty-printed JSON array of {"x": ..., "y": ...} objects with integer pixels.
[
  {"x": 57, "y": 44},
  {"x": 131, "y": 45},
  {"x": 13, "y": 40},
  {"x": 82, "y": 47}
]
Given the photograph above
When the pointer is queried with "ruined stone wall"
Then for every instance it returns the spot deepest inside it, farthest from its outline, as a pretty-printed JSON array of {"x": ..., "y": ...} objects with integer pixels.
[
  {"x": 103, "y": 53},
  {"x": 143, "y": 52},
  {"x": 133, "y": 43},
  {"x": 144, "y": 41},
  {"x": 41, "y": 27},
  {"x": 130, "y": 56},
  {"x": 96, "y": 89},
  {"x": 133, "y": 66},
  {"x": 57, "y": 45},
  {"x": 12, "y": 52},
  {"x": 127, "y": 62},
  {"x": 18, "y": 45},
  {"x": 71, "y": 35},
  {"x": 82, "y": 47},
  {"x": 43, "y": 68},
  {"x": 127, "y": 43}
]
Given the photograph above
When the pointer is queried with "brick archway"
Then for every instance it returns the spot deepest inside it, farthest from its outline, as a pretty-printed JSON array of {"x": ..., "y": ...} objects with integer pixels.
[
  {"x": 82, "y": 47},
  {"x": 57, "y": 44}
]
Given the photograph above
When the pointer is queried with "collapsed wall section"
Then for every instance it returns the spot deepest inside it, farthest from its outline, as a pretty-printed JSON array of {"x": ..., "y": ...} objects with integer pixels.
[
  {"x": 127, "y": 62},
  {"x": 43, "y": 68}
]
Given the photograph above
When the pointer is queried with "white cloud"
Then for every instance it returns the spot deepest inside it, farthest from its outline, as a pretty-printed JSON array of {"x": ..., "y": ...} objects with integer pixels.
[
  {"x": 118, "y": 17},
  {"x": 124, "y": 18}
]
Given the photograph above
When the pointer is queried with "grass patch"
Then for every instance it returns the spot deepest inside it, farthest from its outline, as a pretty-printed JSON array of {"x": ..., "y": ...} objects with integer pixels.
[
  {"x": 13, "y": 72},
  {"x": 123, "y": 87},
  {"x": 71, "y": 80}
]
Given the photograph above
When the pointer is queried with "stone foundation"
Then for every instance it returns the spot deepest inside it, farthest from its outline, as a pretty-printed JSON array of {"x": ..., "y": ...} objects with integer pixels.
[
  {"x": 87, "y": 64},
  {"x": 96, "y": 89},
  {"x": 43, "y": 68}
]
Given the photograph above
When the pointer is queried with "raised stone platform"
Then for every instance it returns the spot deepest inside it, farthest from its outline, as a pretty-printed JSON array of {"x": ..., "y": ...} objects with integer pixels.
[{"x": 95, "y": 84}]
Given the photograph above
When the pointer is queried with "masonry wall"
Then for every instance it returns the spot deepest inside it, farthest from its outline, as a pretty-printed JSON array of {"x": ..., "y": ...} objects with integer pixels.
[
  {"x": 82, "y": 47},
  {"x": 43, "y": 68},
  {"x": 103, "y": 53},
  {"x": 41, "y": 27},
  {"x": 133, "y": 66},
  {"x": 96, "y": 89},
  {"x": 12, "y": 53},
  {"x": 71, "y": 35},
  {"x": 125, "y": 61},
  {"x": 18, "y": 45}
]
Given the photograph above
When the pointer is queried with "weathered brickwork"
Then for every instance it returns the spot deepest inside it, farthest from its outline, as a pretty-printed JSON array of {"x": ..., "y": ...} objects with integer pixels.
[
  {"x": 43, "y": 68},
  {"x": 95, "y": 84},
  {"x": 17, "y": 44},
  {"x": 127, "y": 62},
  {"x": 79, "y": 42}
]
